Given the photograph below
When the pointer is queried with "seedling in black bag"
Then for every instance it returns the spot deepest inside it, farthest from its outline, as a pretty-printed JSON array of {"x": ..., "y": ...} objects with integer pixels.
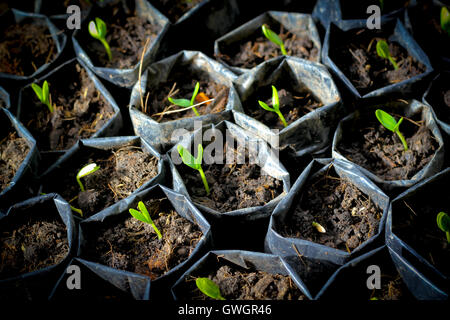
[
  {"x": 383, "y": 52},
  {"x": 389, "y": 123},
  {"x": 275, "y": 105},
  {"x": 209, "y": 288},
  {"x": 273, "y": 37},
  {"x": 194, "y": 163},
  {"x": 185, "y": 103},
  {"x": 85, "y": 171},
  {"x": 97, "y": 30},
  {"x": 445, "y": 20},
  {"x": 144, "y": 216},
  {"x": 43, "y": 94},
  {"x": 443, "y": 222}
]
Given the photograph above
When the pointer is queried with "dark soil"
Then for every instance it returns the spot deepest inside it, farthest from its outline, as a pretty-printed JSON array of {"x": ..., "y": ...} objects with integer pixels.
[
  {"x": 175, "y": 9},
  {"x": 13, "y": 150},
  {"x": 347, "y": 214},
  {"x": 24, "y": 47},
  {"x": 80, "y": 111},
  {"x": 232, "y": 186},
  {"x": 38, "y": 243},
  {"x": 358, "y": 9},
  {"x": 237, "y": 283},
  {"x": 392, "y": 288},
  {"x": 355, "y": 54},
  {"x": 121, "y": 173},
  {"x": 252, "y": 51},
  {"x": 380, "y": 151},
  {"x": 293, "y": 106},
  {"x": 132, "y": 245},
  {"x": 181, "y": 87},
  {"x": 414, "y": 221},
  {"x": 127, "y": 34}
]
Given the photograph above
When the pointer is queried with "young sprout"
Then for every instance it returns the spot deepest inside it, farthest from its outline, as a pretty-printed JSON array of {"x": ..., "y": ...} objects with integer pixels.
[
  {"x": 209, "y": 288},
  {"x": 185, "y": 103},
  {"x": 443, "y": 222},
  {"x": 194, "y": 163},
  {"x": 383, "y": 52},
  {"x": 97, "y": 30},
  {"x": 43, "y": 94},
  {"x": 445, "y": 20},
  {"x": 318, "y": 227},
  {"x": 273, "y": 37},
  {"x": 144, "y": 216},
  {"x": 389, "y": 123},
  {"x": 275, "y": 105},
  {"x": 85, "y": 171}
]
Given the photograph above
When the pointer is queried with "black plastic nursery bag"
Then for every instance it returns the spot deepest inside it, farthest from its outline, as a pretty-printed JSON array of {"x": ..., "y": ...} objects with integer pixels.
[{"x": 436, "y": 97}]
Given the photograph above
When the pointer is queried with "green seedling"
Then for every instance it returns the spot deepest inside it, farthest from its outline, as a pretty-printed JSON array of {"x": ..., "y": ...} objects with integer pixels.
[
  {"x": 194, "y": 163},
  {"x": 209, "y": 288},
  {"x": 79, "y": 211},
  {"x": 43, "y": 94},
  {"x": 185, "y": 103},
  {"x": 389, "y": 123},
  {"x": 273, "y": 37},
  {"x": 144, "y": 216},
  {"x": 97, "y": 30},
  {"x": 319, "y": 227},
  {"x": 443, "y": 222},
  {"x": 275, "y": 105},
  {"x": 445, "y": 20},
  {"x": 383, "y": 52},
  {"x": 85, "y": 171}
]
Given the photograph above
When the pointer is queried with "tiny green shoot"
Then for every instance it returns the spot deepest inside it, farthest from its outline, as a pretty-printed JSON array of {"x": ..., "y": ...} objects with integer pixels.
[
  {"x": 389, "y": 123},
  {"x": 185, "y": 103},
  {"x": 318, "y": 227},
  {"x": 97, "y": 30},
  {"x": 194, "y": 163},
  {"x": 85, "y": 171},
  {"x": 209, "y": 288},
  {"x": 383, "y": 52},
  {"x": 445, "y": 20},
  {"x": 79, "y": 211},
  {"x": 275, "y": 106},
  {"x": 443, "y": 222},
  {"x": 273, "y": 37},
  {"x": 143, "y": 215},
  {"x": 43, "y": 94}
]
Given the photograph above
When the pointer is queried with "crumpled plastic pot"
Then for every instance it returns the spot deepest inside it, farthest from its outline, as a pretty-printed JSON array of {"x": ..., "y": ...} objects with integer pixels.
[
  {"x": 122, "y": 77},
  {"x": 4, "y": 97},
  {"x": 253, "y": 261},
  {"x": 267, "y": 160},
  {"x": 183, "y": 207},
  {"x": 424, "y": 280},
  {"x": 413, "y": 107},
  {"x": 312, "y": 131},
  {"x": 98, "y": 285},
  {"x": 110, "y": 128},
  {"x": 58, "y": 37},
  {"x": 299, "y": 24},
  {"x": 17, "y": 188},
  {"x": 36, "y": 285},
  {"x": 285, "y": 246},
  {"x": 431, "y": 98},
  {"x": 71, "y": 160},
  {"x": 327, "y": 11},
  {"x": 160, "y": 133},
  {"x": 399, "y": 35}
]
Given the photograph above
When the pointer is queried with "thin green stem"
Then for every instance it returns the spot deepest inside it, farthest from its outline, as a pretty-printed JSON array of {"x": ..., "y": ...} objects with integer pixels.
[
  {"x": 81, "y": 185},
  {"x": 107, "y": 48},
  {"x": 77, "y": 210},
  {"x": 282, "y": 118},
  {"x": 283, "y": 50},
  {"x": 448, "y": 236},
  {"x": 393, "y": 62},
  {"x": 402, "y": 138},
  {"x": 205, "y": 182},
  {"x": 196, "y": 112}
]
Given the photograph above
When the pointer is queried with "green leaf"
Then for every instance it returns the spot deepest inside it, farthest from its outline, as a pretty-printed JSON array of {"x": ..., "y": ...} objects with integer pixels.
[
  {"x": 101, "y": 27},
  {"x": 398, "y": 124},
  {"x": 272, "y": 36},
  {"x": 138, "y": 215},
  {"x": 265, "y": 106},
  {"x": 445, "y": 20},
  {"x": 197, "y": 87},
  {"x": 199, "y": 158},
  {"x": 443, "y": 221},
  {"x": 386, "y": 120},
  {"x": 383, "y": 49},
  {"x": 180, "y": 102},
  {"x": 144, "y": 211},
  {"x": 275, "y": 100},
  {"x": 38, "y": 91},
  {"x": 45, "y": 92},
  {"x": 187, "y": 158},
  {"x": 209, "y": 288},
  {"x": 93, "y": 31}
]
